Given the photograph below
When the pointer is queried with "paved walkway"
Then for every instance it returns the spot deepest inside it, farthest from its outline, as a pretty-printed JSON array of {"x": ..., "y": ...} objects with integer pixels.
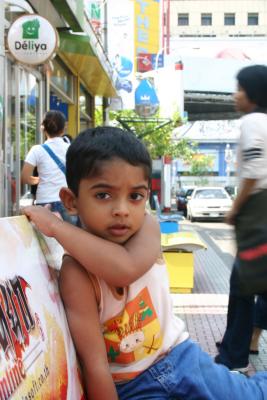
[{"x": 204, "y": 310}]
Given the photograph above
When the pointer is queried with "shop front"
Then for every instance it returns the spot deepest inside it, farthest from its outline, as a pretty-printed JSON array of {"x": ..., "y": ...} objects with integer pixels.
[{"x": 67, "y": 81}]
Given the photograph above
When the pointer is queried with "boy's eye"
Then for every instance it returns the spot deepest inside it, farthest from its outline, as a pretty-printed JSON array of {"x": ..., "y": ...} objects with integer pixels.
[
  {"x": 102, "y": 195},
  {"x": 137, "y": 196}
]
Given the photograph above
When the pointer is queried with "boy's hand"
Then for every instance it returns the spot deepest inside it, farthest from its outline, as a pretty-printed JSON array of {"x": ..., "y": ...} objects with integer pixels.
[{"x": 44, "y": 220}]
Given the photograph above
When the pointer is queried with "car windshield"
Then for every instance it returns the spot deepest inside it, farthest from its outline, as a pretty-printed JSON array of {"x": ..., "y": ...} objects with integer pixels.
[
  {"x": 189, "y": 192},
  {"x": 210, "y": 194}
]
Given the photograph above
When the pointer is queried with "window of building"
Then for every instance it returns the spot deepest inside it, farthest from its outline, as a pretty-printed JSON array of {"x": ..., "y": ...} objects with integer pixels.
[
  {"x": 229, "y": 19},
  {"x": 62, "y": 79},
  {"x": 183, "y": 19},
  {"x": 206, "y": 19},
  {"x": 86, "y": 108},
  {"x": 253, "y": 19}
]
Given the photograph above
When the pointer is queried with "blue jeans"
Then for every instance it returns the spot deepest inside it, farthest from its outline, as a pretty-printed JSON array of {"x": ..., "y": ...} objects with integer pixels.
[
  {"x": 187, "y": 373},
  {"x": 57, "y": 206}
]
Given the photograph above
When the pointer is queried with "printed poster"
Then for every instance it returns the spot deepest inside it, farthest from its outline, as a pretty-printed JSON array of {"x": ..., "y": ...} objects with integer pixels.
[
  {"x": 121, "y": 48},
  {"x": 37, "y": 356}
]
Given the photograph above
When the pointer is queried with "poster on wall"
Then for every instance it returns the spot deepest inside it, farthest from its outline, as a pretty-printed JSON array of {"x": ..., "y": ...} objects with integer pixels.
[
  {"x": 121, "y": 48},
  {"x": 37, "y": 356}
]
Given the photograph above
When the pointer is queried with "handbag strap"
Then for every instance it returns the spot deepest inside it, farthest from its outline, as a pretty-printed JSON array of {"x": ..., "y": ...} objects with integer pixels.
[{"x": 55, "y": 158}]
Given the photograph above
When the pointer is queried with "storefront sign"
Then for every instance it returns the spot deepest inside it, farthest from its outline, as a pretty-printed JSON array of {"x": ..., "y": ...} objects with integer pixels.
[
  {"x": 37, "y": 356},
  {"x": 32, "y": 39}
]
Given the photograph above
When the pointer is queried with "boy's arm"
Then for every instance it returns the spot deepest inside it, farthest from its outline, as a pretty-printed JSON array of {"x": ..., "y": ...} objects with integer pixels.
[
  {"x": 81, "y": 309},
  {"x": 117, "y": 265}
]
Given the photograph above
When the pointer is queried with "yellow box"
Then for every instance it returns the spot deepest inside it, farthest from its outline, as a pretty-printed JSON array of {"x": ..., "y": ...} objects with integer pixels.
[{"x": 180, "y": 266}]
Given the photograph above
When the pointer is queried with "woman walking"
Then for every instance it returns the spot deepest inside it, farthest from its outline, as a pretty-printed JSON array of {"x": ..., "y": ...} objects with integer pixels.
[{"x": 49, "y": 159}]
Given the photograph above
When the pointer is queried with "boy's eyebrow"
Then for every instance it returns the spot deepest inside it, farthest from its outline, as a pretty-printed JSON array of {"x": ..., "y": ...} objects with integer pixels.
[{"x": 108, "y": 186}]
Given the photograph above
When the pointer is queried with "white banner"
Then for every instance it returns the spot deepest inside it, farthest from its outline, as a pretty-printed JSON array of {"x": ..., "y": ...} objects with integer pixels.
[{"x": 121, "y": 48}]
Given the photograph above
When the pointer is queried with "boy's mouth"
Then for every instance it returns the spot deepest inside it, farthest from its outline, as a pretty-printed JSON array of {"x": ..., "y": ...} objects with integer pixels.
[{"x": 119, "y": 229}]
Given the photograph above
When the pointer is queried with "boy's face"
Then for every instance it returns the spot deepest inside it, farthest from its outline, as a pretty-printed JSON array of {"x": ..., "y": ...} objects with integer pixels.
[{"x": 112, "y": 204}]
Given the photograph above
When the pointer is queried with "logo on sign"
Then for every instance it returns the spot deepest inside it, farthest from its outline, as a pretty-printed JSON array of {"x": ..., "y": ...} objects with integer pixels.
[
  {"x": 32, "y": 39},
  {"x": 31, "y": 29}
]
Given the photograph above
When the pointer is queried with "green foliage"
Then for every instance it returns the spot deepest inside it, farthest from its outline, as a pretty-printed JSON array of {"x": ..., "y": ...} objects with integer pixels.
[
  {"x": 155, "y": 132},
  {"x": 157, "y": 135},
  {"x": 98, "y": 116},
  {"x": 201, "y": 165}
]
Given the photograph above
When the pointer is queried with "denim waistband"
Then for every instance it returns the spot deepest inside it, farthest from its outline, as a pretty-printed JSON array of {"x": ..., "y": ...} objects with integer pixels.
[{"x": 52, "y": 203}]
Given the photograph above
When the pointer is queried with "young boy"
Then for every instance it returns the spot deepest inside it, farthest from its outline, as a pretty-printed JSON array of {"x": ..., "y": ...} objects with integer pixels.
[{"x": 130, "y": 344}]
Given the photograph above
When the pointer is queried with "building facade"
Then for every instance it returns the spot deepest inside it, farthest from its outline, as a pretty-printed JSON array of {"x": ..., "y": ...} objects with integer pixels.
[
  {"x": 216, "y": 18},
  {"x": 69, "y": 82}
]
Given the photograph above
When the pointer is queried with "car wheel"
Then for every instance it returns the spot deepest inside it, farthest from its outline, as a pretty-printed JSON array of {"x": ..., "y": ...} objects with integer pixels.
[{"x": 192, "y": 219}]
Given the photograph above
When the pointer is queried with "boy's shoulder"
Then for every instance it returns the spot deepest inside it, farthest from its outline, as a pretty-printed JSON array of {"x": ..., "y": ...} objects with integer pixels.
[{"x": 72, "y": 271}]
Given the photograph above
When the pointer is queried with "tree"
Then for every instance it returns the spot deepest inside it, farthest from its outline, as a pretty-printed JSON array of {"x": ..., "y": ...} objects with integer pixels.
[
  {"x": 156, "y": 133},
  {"x": 201, "y": 164}
]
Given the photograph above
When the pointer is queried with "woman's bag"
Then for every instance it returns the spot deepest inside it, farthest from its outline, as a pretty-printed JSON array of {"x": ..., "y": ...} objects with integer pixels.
[{"x": 251, "y": 238}]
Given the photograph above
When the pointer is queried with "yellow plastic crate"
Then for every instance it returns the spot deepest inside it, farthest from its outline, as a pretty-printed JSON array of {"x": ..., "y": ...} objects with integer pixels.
[{"x": 180, "y": 266}]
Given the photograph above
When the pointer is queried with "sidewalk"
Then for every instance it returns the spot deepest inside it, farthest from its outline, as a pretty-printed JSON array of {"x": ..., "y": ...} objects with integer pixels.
[{"x": 204, "y": 310}]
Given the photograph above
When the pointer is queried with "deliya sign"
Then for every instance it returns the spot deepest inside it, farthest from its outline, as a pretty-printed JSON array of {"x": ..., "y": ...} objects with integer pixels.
[{"x": 32, "y": 39}]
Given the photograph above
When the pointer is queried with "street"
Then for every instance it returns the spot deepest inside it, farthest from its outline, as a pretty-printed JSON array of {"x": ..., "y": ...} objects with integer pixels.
[{"x": 218, "y": 235}]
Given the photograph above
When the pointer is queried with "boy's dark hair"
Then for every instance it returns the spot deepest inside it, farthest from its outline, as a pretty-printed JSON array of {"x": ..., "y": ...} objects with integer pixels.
[
  {"x": 54, "y": 122},
  {"x": 93, "y": 146},
  {"x": 253, "y": 80}
]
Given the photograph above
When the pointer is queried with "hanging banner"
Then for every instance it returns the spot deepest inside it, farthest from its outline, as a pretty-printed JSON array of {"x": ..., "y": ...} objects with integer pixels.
[
  {"x": 146, "y": 99},
  {"x": 121, "y": 48},
  {"x": 37, "y": 357},
  {"x": 147, "y": 26}
]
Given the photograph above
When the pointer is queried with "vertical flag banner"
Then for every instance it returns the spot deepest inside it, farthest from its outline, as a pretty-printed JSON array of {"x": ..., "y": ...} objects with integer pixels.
[
  {"x": 121, "y": 48},
  {"x": 147, "y": 26},
  {"x": 37, "y": 356},
  {"x": 147, "y": 54}
]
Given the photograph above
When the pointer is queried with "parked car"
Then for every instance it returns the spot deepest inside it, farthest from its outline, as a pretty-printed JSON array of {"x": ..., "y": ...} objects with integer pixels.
[
  {"x": 182, "y": 199},
  {"x": 232, "y": 190},
  {"x": 208, "y": 203}
]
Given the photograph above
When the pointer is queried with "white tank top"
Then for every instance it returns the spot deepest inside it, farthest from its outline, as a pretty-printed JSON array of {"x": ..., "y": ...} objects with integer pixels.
[{"x": 138, "y": 324}]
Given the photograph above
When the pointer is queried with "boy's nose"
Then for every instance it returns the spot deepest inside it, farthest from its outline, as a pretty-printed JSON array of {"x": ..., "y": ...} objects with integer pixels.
[{"x": 120, "y": 209}]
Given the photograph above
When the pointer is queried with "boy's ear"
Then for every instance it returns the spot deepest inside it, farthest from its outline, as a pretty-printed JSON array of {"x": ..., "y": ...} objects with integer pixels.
[{"x": 68, "y": 198}]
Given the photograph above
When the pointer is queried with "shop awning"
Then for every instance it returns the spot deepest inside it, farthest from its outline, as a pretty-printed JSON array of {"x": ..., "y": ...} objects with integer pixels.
[{"x": 78, "y": 52}]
